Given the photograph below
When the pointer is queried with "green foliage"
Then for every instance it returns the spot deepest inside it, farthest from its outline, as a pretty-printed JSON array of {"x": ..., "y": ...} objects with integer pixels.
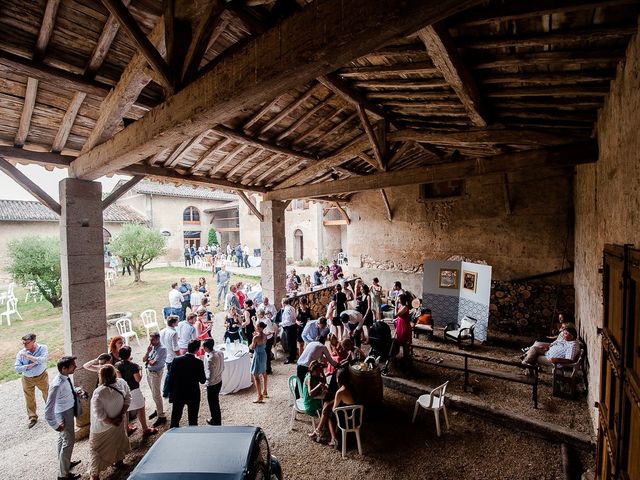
[
  {"x": 38, "y": 260},
  {"x": 139, "y": 244},
  {"x": 213, "y": 238}
]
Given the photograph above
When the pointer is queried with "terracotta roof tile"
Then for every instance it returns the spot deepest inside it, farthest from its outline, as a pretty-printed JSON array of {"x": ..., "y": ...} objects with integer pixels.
[{"x": 30, "y": 211}]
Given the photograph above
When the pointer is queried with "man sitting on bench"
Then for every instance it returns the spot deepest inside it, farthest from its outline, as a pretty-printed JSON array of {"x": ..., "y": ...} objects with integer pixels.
[{"x": 564, "y": 350}]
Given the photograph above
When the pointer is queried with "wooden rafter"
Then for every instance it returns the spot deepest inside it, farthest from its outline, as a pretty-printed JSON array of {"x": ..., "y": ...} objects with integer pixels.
[
  {"x": 565, "y": 155},
  {"x": 276, "y": 166},
  {"x": 46, "y": 159},
  {"x": 343, "y": 214},
  {"x": 387, "y": 206},
  {"x": 119, "y": 100},
  {"x": 209, "y": 154},
  {"x": 46, "y": 29},
  {"x": 336, "y": 128},
  {"x": 244, "y": 162},
  {"x": 255, "y": 118},
  {"x": 184, "y": 149},
  {"x": 375, "y": 145},
  {"x": 447, "y": 59},
  {"x": 227, "y": 159},
  {"x": 320, "y": 125},
  {"x": 121, "y": 190},
  {"x": 281, "y": 59},
  {"x": 388, "y": 70},
  {"x": 67, "y": 122},
  {"x": 27, "y": 110},
  {"x": 145, "y": 46},
  {"x": 302, "y": 120},
  {"x": 250, "y": 204},
  {"x": 101, "y": 49},
  {"x": 342, "y": 89},
  {"x": 28, "y": 184},
  {"x": 288, "y": 109}
]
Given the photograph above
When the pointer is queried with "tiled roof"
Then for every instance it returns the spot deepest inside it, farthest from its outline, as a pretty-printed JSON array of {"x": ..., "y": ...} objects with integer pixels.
[
  {"x": 222, "y": 208},
  {"x": 185, "y": 191},
  {"x": 29, "y": 211}
]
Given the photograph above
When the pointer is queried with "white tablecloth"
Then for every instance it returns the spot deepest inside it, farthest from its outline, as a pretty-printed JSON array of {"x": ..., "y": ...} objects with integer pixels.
[{"x": 237, "y": 364}]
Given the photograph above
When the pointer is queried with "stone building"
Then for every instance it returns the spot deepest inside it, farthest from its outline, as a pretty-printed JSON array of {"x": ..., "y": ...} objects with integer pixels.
[{"x": 502, "y": 131}]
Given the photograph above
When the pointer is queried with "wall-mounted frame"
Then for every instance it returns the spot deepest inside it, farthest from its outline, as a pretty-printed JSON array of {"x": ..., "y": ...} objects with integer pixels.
[
  {"x": 448, "y": 278},
  {"x": 469, "y": 280}
]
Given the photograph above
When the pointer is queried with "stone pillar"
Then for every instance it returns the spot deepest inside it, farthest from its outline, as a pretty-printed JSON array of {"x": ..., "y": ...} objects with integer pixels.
[
  {"x": 274, "y": 252},
  {"x": 83, "y": 290}
]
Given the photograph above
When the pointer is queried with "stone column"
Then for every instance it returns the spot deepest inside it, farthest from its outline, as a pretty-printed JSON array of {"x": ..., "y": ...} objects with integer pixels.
[
  {"x": 83, "y": 290},
  {"x": 274, "y": 251}
]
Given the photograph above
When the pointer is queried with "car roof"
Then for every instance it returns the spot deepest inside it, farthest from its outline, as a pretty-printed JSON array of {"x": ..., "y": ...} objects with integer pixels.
[{"x": 200, "y": 452}]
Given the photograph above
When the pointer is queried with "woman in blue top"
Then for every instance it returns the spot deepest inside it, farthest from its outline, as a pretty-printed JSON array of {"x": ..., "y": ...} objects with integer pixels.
[{"x": 259, "y": 362}]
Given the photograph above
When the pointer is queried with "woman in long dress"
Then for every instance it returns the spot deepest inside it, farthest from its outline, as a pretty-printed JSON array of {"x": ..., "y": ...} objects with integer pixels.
[
  {"x": 404, "y": 332},
  {"x": 376, "y": 298},
  {"x": 259, "y": 362},
  {"x": 108, "y": 441}
]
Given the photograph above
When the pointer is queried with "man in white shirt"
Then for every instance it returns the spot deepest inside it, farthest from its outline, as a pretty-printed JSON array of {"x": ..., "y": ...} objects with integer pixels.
[
  {"x": 213, "y": 368},
  {"x": 313, "y": 351},
  {"x": 289, "y": 326},
  {"x": 354, "y": 321},
  {"x": 565, "y": 350},
  {"x": 186, "y": 332},
  {"x": 268, "y": 308},
  {"x": 61, "y": 408},
  {"x": 169, "y": 340},
  {"x": 175, "y": 301}
]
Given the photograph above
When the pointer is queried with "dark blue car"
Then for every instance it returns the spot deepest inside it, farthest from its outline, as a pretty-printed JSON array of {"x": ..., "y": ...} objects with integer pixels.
[{"x": 205, "y": 452}]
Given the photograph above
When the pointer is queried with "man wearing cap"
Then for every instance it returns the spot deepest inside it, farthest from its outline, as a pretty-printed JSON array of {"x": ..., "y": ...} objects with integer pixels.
[
  {"x": 31, "y": 362},
  {"x": 155, "y": 359},
  {"x": 61, "y": 408}
]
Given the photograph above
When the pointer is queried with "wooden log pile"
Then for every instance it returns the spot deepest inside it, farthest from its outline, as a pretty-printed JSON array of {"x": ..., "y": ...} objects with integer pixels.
[
  {"x": 319, "y": 299},
  {"x": 528, "y": 309}
]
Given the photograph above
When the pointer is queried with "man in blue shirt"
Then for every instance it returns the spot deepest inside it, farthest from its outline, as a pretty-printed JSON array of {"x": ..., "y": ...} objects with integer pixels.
[
  {"x": 31, "y": 362},
  {"x": 185, "y": 289},
  {"x": 315, "y": 329}
]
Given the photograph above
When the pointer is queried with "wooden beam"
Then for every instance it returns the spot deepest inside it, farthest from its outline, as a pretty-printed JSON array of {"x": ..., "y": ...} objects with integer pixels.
[
  {"x": 256, "y": 142},
  {"x": 101, "y": 49},
  {"x": 319, "y": 126},
  {"x": 28, "y": 184},
  {"x": 194, "y": 142},
  {"x": 280, "y": 59},
  {"x": 145, "y": 47},
  {"x": 276, "y": 166},
  {"x": 507, "y": 195},
  {"x": 447, "y": 59},
  {"x": 67, "y": 122},
  {"x": 334, "y": 83},
  {"x": 121, "y": 190},
  {"x": 368, "y": 129},
  {"x": 302, "y": 120},
  {"x": 565, "y": 155},
  {"x": 27, "y": 110},
  {"x": 227, "y": 159},
  {"x": 46, "y": 29},
  {"x": 244, "y": 162},
  {"x": 46, "y": 159},
  {"x": 343, "y": 214},
  {"x": 550, "y": 78},
  {"x": 387, "y": 206},
  {"x": 268, "y": 106},
  {"x": 288, "y": 109},
  {"x": 586, "y": 57},
  {"x": 556, "y": 91},
  {"x": 133, "y": 80},
  {"x": 400, "y": 83},
  {"x": 181, "y": 175},
  {"x": 336, "y": 128},
  {"x": 388, "y": 70},
  {"x": 210, "y": 27},
  {"x": 250, "y": 204}
]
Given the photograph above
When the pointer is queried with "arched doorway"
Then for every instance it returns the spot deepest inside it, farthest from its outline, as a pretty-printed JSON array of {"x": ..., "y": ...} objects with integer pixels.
[{"x": 298, "y": 245}]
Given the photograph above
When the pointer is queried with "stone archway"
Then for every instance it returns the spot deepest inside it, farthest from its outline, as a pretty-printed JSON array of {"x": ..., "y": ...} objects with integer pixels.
[{"x": 298, "y": 245}]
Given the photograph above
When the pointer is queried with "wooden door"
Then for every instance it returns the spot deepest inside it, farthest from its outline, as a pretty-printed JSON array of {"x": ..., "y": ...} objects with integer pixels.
[{"x": 619, "y": 405}]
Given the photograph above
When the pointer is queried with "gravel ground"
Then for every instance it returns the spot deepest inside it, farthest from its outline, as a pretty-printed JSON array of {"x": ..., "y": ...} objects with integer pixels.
[{"x": 393, "y": 447}]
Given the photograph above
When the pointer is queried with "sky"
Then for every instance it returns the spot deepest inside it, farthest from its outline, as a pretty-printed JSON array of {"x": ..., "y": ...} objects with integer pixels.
[{"x": 48, "y": 181}]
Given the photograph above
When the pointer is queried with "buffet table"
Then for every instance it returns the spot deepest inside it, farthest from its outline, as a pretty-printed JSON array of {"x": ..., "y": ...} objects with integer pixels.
[{"x": 237, "y": 363}]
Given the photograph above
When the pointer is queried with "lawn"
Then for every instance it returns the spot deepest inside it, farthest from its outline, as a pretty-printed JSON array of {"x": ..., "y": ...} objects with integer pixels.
[{"x": 45, "y": 321}]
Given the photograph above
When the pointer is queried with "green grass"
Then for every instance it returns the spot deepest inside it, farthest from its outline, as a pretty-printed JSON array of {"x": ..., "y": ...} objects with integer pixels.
[{"x": 46, "y": 322}]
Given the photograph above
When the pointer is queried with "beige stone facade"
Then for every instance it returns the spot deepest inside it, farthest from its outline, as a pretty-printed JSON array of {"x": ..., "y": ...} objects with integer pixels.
[{"x": 607, "y": 203}]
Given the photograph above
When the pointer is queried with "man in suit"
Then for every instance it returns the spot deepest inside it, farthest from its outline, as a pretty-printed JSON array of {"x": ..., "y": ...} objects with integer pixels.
[{"x": 187, "y": 372}]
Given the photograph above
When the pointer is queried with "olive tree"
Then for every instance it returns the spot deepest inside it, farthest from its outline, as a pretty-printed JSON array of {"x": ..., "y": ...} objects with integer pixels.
[
  {"x": 139, "y": 244},
  {"x": 38, "y": 260}
]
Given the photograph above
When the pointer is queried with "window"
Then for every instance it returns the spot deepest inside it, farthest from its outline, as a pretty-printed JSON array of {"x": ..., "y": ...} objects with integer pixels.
[
  {"x": 442, "y": 190},
  {"x": 191, "y": 215}
]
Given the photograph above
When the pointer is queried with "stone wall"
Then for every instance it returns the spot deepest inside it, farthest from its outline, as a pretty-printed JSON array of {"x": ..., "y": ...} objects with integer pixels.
[
  {"x": 607, "y": 203},
  {"x": 529, "y": 241}
]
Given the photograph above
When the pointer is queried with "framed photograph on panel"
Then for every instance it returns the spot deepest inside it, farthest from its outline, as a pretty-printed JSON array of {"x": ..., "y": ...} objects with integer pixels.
[
  {"x": 469, "y": 280},
  {"x": 448, "y": 278}
]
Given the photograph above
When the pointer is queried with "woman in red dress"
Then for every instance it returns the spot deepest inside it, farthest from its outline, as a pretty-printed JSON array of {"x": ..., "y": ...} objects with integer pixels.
[{"x": 403, "y": 328}]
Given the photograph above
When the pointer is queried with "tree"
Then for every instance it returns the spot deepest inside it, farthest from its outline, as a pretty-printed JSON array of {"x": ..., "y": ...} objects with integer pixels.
[
  {"x": 139, "y": 245},
  {"x": 38, "y": 260},
  {"x": 213, "y": 238}
]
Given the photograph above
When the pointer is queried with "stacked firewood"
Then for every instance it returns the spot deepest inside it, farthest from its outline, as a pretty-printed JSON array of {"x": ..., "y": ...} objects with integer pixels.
[{"x": 528, "y": 309}]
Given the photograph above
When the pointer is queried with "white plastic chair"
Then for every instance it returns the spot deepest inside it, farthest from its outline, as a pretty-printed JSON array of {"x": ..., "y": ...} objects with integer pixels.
[
  {"x": 434, "y": 401},
  {"x": 32, "y": 292},
  {"x": 109, "y": 277},
  {"x": 298, "y": 403},
  {"x": 126, "y": 331},
  {"x": 149, "y": 320},
  {"x": 12, "y": 308},
  {"x": 349, "y": 419}
]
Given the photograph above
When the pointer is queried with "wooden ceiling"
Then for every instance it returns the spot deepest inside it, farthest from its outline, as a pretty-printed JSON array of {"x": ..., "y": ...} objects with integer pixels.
[{"x": 302, "y": 98}]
